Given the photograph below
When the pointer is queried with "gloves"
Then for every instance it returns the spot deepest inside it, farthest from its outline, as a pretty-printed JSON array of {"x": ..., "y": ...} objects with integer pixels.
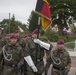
[
  {"x": 30, "y": 62},
  {"x": 42, "y": 44},
  {"x": 37, "y": 41},
  {"x": 34, "y": 68}
]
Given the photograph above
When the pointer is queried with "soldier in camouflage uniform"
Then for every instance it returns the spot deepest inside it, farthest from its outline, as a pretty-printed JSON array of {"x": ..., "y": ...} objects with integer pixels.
[
  {"x": 60, "y": 59},
  {"x": 22, "y": 42},
  {"x": 34, "y": 56},
  {"x": 12, "y": 57},
  {"x": 30, "y": 56},
  {"x": 2, "y": 43},
  {"x": 2, "y": 39}
]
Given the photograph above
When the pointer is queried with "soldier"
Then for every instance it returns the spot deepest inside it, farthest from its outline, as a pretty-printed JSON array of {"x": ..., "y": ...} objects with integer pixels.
[
  {"x": 2, "y": 43},
  {"x": 34, "y": 56},
  {"x": 12, "y": 57},
  {"x": 22, "y": 42},
  {"x": 1, "y": 38},
  {"x": 60, "y": 60}
]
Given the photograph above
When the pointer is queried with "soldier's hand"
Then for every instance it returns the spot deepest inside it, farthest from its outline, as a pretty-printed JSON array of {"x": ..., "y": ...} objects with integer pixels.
[{"x": 34, "y": 69}]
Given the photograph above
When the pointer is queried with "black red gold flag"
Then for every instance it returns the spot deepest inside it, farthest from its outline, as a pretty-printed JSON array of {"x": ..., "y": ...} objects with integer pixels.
[{"x": 43, "y": 9}]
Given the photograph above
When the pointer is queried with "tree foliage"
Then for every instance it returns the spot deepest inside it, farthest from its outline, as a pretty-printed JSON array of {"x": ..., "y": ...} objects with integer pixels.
[
  {"x": 10, "y": 25},
  {"x": 33, "y": 21},
  {"x": 63, "y": 12},
  {"x": 51, "y": 35}
]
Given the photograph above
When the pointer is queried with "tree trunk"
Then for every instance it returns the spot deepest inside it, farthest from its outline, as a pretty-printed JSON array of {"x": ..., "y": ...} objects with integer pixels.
[{"x": 60, "y": 31}]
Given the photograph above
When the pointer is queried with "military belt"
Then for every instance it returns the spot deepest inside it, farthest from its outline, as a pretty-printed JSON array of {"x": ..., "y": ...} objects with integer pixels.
[{"x": 58, "y": 68}]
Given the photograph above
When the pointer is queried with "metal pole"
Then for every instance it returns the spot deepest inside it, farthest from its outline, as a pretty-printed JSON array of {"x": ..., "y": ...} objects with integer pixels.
[
  {"x": 75, "y": 45},
  {"x": 37, "y": 37},
  {"x": 39, "y": 18},
  {"x": 9, "y": 22}
]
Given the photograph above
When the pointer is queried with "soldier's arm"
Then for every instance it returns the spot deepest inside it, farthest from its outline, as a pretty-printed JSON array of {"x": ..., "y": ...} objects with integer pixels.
[
  {"x": 21, "y": 62},
  {"x": 1, "y": 55},
  {"x": 3, "y": 42},
  {"x": 45, "y": 45},
  {"x": 30, "y": 62},
  {"x": 48, "y": 63},
  {"x": 68, "y": 66},
  {"x": 69, "y": 62},
  {"x": 28, "y": 58}
]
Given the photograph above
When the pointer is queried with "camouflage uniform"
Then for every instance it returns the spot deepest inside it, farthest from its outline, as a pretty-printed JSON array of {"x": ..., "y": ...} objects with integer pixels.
[
  {"x": 47, "y": 55},
  {"x": 22, "y": 43},
  {"x": 13, "y": 59},
  {"x": 2, "y": 43},
  {"x": 31, "y": 49},
  {"x": 61, "y": 62}
]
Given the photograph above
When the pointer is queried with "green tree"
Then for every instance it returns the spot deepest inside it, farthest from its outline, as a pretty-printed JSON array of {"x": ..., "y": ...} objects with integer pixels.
[
  {"x": 74, "y": 30},
  {"x": 4, "y": 24},
  {"x": 63, "y": 12},
  {"x": 51, "y": 35},
  {"x": 13, "y": 25},
  {"x": 33, "y": 21}
]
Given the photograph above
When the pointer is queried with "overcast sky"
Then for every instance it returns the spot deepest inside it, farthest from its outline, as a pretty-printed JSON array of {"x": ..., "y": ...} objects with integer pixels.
[{"x": 20, "y": 8}]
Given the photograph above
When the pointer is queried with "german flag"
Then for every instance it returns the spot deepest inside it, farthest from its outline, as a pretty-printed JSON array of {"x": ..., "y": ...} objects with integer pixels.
[{"x": 43, "y": 9}]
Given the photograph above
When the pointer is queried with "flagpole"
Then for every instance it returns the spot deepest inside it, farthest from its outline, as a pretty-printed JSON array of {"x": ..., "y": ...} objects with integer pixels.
[
  {"x": 37, "y": 46},
  {"x": 42, "y": 7},
  {"x": 39, "y": 18},
  {"x": 9, "y": 22}
]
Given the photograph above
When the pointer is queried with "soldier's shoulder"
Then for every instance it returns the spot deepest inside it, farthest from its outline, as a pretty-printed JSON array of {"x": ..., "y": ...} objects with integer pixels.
[{"x": 66, "y": 52}]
